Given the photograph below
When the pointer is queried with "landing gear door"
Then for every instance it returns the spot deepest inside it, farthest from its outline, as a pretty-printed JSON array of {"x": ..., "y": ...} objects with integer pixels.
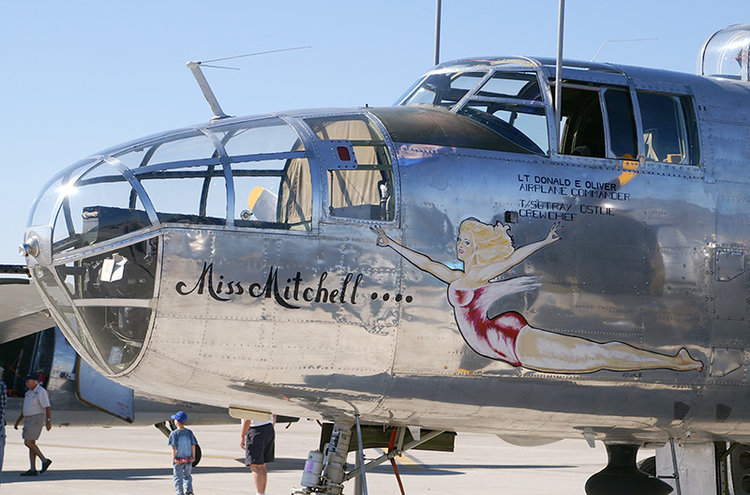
[{"x": 102, "y": 393}]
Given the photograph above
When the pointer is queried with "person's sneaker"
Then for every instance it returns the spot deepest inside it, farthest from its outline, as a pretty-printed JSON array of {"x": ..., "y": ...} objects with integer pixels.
[
  {"x": 30, "y": 472},
  {"x": 45, "y": 465}
]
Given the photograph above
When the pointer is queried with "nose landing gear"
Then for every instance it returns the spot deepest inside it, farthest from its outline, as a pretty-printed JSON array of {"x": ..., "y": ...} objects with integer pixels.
[
  {"x": 328, "y": 477},
  {"x": 325, "y": 470}
]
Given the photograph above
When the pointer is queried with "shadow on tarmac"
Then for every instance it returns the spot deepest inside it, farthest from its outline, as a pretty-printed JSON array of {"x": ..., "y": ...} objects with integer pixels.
[
  {"x": 135, "y": 474},
  {"x": 457, "y": 469},
  {"x": 106, "y": 474}
]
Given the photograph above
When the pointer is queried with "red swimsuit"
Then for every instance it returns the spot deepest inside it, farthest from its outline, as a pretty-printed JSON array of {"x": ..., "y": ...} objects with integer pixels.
[{"x": 493, "y": 338}]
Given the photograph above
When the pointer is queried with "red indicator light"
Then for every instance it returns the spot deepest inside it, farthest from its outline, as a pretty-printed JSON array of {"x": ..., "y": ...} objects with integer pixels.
[{"x": 344, "y": 155}]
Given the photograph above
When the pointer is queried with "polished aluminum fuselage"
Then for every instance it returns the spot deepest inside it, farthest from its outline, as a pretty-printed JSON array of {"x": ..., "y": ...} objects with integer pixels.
[{"x": 325, "y": 323}]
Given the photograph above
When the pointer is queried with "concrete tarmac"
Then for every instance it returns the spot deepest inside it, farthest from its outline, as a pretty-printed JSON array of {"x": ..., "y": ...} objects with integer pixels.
[{"x": 137, "y": 460}]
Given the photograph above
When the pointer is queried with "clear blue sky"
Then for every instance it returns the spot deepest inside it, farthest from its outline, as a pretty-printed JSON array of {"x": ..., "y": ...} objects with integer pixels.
[{"x": 80, "y": 76}]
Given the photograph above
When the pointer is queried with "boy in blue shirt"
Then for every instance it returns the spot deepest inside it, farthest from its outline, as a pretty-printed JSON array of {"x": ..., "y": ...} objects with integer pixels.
[{"x": 183, "y": 444}]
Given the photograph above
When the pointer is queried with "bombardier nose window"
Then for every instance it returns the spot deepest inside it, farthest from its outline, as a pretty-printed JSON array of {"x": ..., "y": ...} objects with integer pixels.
[
  {"x": 113, "y": 293},
  {"x": 98, "y": 222},
  {"x": 98, "y": 206},
  {"x": 272, "y": 182}
]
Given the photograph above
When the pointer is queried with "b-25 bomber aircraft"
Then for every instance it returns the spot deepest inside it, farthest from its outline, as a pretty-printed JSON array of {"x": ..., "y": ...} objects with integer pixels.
[{"x": 457, "y": 262}]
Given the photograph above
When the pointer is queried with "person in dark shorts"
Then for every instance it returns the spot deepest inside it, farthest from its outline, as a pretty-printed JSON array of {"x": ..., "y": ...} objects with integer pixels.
[{"x": 258, "y": 440}]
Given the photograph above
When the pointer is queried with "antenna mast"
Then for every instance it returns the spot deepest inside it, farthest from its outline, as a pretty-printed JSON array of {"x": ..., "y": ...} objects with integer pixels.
[
  {"x": 558, "y": 73},
  {"x": 195, "y": 68},
  {"x": 437, "y": 31}
]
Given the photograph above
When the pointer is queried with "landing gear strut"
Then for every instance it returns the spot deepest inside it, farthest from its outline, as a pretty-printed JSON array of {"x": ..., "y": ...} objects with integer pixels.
[
  {"x": 622, "y": 476},
  {"x": 328, "y": 477},
  {"x": 325, "y": 473}
]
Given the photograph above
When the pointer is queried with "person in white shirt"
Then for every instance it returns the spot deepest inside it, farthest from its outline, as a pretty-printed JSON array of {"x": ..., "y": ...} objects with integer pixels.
[{"x": 36, "y": 414}]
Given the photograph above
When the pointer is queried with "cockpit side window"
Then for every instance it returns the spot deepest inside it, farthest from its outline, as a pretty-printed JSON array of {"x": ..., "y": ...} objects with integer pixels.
[
  {"x": 598, "y": 122},
  {"x": 669, "y": 128},
  {"x": 622, "y": 139},
  {"x": 582, "y": 123},
  {"x": 367, "y": 192}
]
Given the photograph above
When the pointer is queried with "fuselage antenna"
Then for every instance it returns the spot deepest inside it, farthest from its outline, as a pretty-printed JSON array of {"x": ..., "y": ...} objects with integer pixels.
[
  {"x": 619, "y": 41},
  {"x": 437, "y": 31},
  {"x": 195, "y": 68},
  {"x": 558, "y": 73}
]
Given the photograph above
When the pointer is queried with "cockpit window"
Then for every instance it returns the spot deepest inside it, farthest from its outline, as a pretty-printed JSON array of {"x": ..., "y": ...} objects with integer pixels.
[
  {"x": 523, "y": 125},
  {"x": 367, "y": 192},
  {"x": 510, "y": 104},
  {"x": 621, "y": 122},
  {"x": 443, "y": 90},
  {"x": 521, "y": 85},
  {"x": 669, "y": 128},
  {"x": 582, "y": 122}
]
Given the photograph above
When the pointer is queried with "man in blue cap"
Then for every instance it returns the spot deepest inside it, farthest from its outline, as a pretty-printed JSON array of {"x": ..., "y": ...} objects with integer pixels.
[{"x": 183, "y": 444}]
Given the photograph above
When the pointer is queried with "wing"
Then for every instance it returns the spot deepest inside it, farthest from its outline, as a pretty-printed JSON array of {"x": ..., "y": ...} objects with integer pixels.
[{"x": 22, "y": 311}]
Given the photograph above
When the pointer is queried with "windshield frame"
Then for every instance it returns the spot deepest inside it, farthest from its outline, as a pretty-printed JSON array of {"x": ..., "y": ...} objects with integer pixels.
[{"x": 511, "y": 65}]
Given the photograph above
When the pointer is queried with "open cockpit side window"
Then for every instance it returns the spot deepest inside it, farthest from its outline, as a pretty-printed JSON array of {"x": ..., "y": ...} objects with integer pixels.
[
  {"x": 621, "y": 122},
  {"x": 669, "y": 128},
  {"x": 367, "y": 192},
  {"x": 586, "y": 110},
  {"x": 582, "y": 124}
]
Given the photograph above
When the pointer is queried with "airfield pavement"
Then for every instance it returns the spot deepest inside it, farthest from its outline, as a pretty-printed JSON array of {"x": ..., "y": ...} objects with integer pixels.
[{"x": 136, "y": 460}]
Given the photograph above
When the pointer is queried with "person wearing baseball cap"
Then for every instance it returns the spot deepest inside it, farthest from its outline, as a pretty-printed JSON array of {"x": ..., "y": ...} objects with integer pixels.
[
  {"x": 36, "y": 414},
  {"x": 183, "y": 444}
]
